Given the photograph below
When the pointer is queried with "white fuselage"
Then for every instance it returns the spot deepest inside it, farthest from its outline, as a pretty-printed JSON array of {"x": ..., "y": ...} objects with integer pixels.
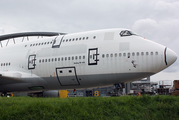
[{"x": 81, "y": 60}]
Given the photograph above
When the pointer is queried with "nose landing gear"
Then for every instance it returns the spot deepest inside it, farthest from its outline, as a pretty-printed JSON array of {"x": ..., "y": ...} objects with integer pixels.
[{"x": 117, "y": 91}]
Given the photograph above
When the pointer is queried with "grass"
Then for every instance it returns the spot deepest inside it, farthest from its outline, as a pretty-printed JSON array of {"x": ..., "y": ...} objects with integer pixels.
[{"x": 87, "y": 108}]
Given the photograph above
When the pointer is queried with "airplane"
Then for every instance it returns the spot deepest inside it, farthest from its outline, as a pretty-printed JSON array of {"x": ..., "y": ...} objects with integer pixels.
[{"x": 60, "y": 61}]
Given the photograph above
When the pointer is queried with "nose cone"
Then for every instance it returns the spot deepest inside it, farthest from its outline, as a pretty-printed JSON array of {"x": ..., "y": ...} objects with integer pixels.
[{"x": 171, "y": 56}]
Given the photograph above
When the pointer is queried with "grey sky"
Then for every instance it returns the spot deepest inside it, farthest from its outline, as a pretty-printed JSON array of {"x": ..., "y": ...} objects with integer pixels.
[{"x": 157, "y": 20}]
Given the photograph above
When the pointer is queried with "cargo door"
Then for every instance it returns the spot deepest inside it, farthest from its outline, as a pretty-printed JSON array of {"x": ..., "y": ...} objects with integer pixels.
[{"x": 67, "y": 76}]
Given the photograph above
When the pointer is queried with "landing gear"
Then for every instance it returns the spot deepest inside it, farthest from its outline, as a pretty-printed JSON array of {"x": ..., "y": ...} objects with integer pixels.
[
  {"x": 5, "y": 94},
  {"x": 117, "y": 91},
  {"x": 119, "y": 86}
]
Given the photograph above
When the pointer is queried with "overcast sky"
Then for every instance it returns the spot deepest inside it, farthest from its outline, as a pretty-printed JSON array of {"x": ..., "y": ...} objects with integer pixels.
[{"x": 157, "y": 20}]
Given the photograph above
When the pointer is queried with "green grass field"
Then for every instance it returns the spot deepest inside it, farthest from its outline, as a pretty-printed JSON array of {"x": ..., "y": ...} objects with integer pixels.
[{"x": 84, "y": 108}]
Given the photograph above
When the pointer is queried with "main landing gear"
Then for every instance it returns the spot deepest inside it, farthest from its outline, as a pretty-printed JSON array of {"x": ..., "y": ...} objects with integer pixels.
[{"x": 5, "y": 94}]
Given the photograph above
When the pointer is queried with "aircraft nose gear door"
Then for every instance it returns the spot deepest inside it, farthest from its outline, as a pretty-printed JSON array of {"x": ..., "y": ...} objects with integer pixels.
[
  {"x": 93, "y": 56},
  {"x": 31, "y": 61}
]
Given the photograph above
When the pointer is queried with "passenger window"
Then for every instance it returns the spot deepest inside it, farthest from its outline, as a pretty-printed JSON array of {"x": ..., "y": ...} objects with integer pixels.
[
  {"x": 48, "y": 60},
  {"x": 66, "y": 40},
  {"x": 9, "y": 64},
  {"x": 52, "y": 59},
  {"x": 147, "y": 53},
  {"x": 128, "y": 54},
  {"x": 58, "y": 59},
  {"x": 62, "y": 58},
  {"x": 156, "y": 53},
  {"x": 103, "y": 55},
  {"x": 76, "y": 57},
  {"x": 79, "y": 57},
  {"x": 42, "y": 43},
  {"x": 94, "y": 37},
  {"x": 65, "y": 58},
  {"x": 87, "y": 38},
  {"x": 76, "y": 38},
  {"x": 45, "y": 43},
  {"x": 133, "y": 54},
  {"x": 30, "y": 45},
  {"x": 107, "y": 55},
  {"x": 111, "y": 55},
  {"x": 45, "y": 60},
  {"x": 40, "y": 61},
  {"x": 83, "y": 38},
  {"x": 68, "y": 58},
  {"x": 120, "y": 54},
  {"x": 79, "y": 38},
  {"x": 55, "y": 59},
  {"x": 151, "y": 53},
  {"x": 137, "y": 53},
  {"x": 115, "y": 54},
  {"x": 83, "y": 57},
  {"x": 124, "y": 54},
  {"x": 33, "y": 44},
  {"x": 72, "y": 58},
  {"x": 39, "y": 43},
  {"x": 69, "y": 40},
  {"x": 73, "y": 39},
  {"x": 142, "y": 53}
]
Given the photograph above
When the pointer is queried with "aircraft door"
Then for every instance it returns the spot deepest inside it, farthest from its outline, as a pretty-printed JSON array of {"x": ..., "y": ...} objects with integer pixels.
[
  {"x": 67, "y": 76},
  {"x": 57, "y": 41},
  {"x": 93, "y": 56},
  {"x": 31, "y": 62}
]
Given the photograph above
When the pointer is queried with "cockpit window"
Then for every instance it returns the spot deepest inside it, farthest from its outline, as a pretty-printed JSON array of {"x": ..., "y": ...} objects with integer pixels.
[{"x": 126, "y": 33}]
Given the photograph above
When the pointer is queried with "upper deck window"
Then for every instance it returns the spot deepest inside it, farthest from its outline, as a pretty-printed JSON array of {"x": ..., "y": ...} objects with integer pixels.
[{"x": 126, "y": 33}]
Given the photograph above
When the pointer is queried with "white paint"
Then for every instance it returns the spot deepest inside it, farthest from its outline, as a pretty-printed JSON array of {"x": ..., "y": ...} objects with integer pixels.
[{"x": 85, "y": 59}]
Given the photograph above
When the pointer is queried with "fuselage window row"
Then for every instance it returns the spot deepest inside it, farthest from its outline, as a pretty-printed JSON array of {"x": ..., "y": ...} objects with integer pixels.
[
  {"x": 38, "y": 44},
  {"x": 129, "y": 54},
  {"x": 5, "y": 64},
  {"x": 46, "y": 43},
  {"x": 81, "y": 38},
  {"x": 62, "y": 59}
]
